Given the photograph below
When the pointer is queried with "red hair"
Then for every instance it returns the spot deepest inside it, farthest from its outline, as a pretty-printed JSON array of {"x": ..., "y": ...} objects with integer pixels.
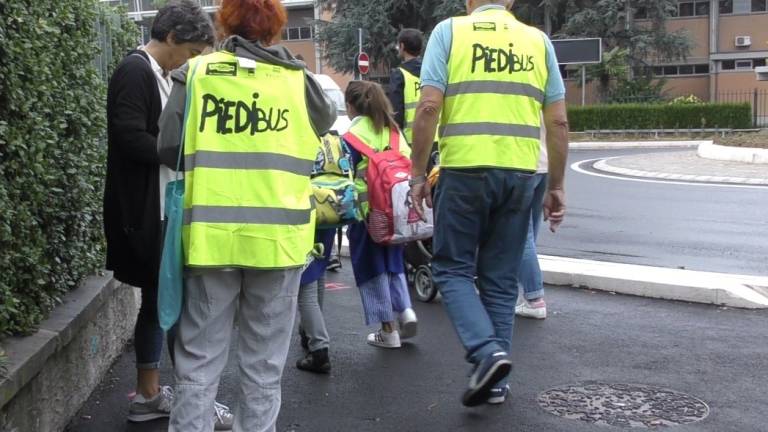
[{"x": 255, "y": 20}]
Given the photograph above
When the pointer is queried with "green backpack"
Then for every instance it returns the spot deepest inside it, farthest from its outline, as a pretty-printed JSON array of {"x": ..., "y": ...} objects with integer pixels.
[{"x": 333, "y": 185}]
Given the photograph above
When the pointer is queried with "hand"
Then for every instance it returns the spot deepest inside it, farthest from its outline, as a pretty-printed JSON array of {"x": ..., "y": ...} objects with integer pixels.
[
  {"x": 421, "y": 193},
  {"x": 554, "y": 208}
]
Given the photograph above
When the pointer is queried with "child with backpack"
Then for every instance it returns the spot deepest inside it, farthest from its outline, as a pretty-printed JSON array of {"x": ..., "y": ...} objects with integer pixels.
[{"x": 379, "y": 268}]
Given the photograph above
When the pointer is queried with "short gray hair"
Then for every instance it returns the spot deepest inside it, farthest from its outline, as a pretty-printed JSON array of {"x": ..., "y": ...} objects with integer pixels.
[{"x": 186, "y": 20}]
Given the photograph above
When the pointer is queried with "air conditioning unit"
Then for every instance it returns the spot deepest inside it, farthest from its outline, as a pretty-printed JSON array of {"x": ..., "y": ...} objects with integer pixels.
[{"x": 743, "y": 41}]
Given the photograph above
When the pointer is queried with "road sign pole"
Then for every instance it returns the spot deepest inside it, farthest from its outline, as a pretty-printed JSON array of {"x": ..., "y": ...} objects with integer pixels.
[
  {"x": 583, "y": 85},
  {"x": 359, "y": 48}
]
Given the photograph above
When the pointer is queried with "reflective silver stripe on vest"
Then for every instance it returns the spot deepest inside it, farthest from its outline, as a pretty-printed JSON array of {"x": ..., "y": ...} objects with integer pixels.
[
  {"x": 496, "y": 87},
  {"x": 411, "y": 105},
  {"x": 248, "y": 161},
  {"x": 496, "y": 129},
  {"x": 246, "y": 215}
]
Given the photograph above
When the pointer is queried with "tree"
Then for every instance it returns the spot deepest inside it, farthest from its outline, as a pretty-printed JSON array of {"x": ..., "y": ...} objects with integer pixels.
[
  {"x": 639, "y": 43},
  {"x": 381, "y": 21}
]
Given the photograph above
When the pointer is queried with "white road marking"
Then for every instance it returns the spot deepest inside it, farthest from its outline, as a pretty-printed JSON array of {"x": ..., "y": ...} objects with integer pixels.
[{"x": 576, "y": 166}]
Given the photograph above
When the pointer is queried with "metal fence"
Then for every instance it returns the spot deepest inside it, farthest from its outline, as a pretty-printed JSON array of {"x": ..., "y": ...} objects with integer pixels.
[{"x": 757, "y": 98}]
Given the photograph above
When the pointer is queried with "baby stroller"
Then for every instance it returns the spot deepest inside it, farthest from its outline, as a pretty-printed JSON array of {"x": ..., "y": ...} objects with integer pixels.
[{"x": 418, "y": 255}]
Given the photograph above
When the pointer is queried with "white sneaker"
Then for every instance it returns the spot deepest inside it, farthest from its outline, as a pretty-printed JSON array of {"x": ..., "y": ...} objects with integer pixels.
[
  {"x": 142, "y": 409},
  {"x": 384, "y": 339},
  {"x": 536, "y": 309},
  {"x": 408, "y": 324}
]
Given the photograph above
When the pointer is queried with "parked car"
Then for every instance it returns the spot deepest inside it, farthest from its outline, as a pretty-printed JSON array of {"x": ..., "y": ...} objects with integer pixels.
[{"x": 337, "y": 96}]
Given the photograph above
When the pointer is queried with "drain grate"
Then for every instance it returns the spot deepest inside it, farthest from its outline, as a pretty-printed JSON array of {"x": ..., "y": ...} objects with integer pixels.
[{"x": 624, "y": 405}]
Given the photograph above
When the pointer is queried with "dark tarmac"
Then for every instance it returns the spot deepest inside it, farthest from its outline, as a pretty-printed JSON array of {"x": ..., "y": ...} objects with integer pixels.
[{"x": 717, "y": 355}]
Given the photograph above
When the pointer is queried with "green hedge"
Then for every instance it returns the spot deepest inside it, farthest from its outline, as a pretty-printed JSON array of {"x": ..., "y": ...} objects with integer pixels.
[
  {"x": 660, "y": 116},
  {"x": 52, "y": 151}
]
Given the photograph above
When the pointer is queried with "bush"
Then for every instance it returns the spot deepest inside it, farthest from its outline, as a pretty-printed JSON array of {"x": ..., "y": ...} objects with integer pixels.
[
  {"x": 660, "y": 116},
  {"x": 52, "y": 124}
]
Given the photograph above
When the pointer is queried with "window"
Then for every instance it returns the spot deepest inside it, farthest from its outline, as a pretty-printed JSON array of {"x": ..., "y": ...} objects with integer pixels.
[
  {"x": 701, "y": 69},
  {"x": 743, "y": 64},
  {"x": 702, "y": 8},
  {"x": 670, "y": 70},
  {"x": 728, "y": 65},
  {"x": 297, "y": 33},
  {"x": 641, "y": 13},
  {"x": 693, "y": 8},
  {"x": 685, "y": 9},
  {"x": 676, "y": 70},
  {"x": 758, "y": 5},
  {"x": 758, "y": 62},
  {"x": 726, "y": 6}
]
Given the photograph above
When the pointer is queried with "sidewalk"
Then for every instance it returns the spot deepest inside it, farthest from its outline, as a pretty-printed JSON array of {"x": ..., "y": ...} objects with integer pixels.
[
  {"x": 685, "y": 166},
  {"x": 717, "y": 355}
]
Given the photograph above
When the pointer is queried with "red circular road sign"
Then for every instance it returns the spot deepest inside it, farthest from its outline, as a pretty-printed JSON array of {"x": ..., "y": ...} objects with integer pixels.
[{"x": 363, "y": 63}]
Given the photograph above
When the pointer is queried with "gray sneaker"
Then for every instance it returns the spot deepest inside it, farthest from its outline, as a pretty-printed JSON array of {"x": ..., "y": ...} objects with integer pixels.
[
  {"x": 142, "y": 409},
  {"x": 223, "y": 417}
]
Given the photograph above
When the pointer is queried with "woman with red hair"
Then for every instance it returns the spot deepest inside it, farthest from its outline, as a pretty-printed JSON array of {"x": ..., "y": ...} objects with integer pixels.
[{"x": 247, "y": 119}]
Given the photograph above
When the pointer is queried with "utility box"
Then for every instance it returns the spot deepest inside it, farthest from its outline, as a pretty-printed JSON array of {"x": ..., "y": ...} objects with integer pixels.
[{"x": 762, "y": 73}]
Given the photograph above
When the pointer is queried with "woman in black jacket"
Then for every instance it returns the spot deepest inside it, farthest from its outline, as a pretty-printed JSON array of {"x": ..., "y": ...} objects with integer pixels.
[{"x": 137, "y": 93}]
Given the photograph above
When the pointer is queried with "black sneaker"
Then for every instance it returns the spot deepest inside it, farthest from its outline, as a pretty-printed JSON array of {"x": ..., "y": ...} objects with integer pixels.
[
  {"x": 315, "y": 361},
  {"x": 334, "y": 264},
  {"x": 489, "y": 371}
]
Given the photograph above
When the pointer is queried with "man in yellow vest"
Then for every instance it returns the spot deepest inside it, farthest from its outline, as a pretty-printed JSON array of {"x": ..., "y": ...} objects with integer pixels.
[
  {"x": 404, "y": 83},
  {"x": 492, "y": 77}
]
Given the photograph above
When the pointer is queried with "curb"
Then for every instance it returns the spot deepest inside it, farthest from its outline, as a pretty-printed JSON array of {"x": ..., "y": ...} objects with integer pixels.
[
  {"x": 603, "y": 165},
  {"x": 738, "y": 291},
  {"x": 710, "y": 150},
  {"x": 622, "y": 145}
]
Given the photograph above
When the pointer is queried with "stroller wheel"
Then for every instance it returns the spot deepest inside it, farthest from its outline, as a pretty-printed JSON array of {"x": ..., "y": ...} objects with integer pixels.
[{"x": 423, "y": 284}]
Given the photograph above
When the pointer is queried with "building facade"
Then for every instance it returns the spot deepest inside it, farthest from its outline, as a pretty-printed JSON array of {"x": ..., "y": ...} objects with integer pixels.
[
  {"x": 298, "y": 34},
  {"x": 730, "y": 39}
]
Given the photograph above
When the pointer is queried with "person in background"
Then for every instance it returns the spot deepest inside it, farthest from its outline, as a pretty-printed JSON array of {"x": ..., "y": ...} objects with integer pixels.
[
  {"x": 530, "y": 299},
  {"x": 490, "y": 115},
  {"x": 379, "y": 270},
  {"x": 249, "y": 220},
  {"x": 135, "y": 185},
  {"x": 404, "y": 85},
  {"x": 312, "y": 330}
]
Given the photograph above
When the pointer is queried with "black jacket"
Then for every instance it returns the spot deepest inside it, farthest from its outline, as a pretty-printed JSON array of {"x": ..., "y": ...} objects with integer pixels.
[
  {"x": 131, "y": 195},
  {"x": 396, "y": 86}
]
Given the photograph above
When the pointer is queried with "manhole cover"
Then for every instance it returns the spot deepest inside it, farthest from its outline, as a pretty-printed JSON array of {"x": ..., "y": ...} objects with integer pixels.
[{"x": 627, "y": 405}]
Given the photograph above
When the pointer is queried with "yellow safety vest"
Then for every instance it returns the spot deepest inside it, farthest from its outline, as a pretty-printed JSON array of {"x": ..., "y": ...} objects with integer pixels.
[
  {"x": 497, "y": 74},
  {"x": 411, "y": 96},
  {"x": 249, "y": 148},
  {"x": 363, "y": 129}
]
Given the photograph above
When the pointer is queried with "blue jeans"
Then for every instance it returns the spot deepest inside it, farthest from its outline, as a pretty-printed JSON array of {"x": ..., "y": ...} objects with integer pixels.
[
  {"x": 530, "y": 272},
  {"x": 148, "y": 336},
  {"x": 482, "y": 218}
]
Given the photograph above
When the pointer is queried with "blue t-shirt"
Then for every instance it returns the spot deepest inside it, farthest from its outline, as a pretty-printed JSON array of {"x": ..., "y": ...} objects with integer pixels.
[{"x": 434, "y": 68}]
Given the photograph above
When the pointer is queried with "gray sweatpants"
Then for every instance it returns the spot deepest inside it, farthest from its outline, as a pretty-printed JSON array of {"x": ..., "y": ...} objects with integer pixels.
[
  {"x": 311, "y": 313},
  {"x": 267, "y": 308}
]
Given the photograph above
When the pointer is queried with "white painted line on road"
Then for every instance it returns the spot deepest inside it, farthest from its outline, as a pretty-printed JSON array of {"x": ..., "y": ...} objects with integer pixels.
[
  {"x": 657, "y": 282},
  {"x": 576, "y": 166},
  {"x": 622, "y": 145}
]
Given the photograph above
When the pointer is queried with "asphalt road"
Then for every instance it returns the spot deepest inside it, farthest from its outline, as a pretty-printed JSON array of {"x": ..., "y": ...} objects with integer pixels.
[
  {"x": 698, "y": 227},
  {"x": 718, "y": 355}
]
